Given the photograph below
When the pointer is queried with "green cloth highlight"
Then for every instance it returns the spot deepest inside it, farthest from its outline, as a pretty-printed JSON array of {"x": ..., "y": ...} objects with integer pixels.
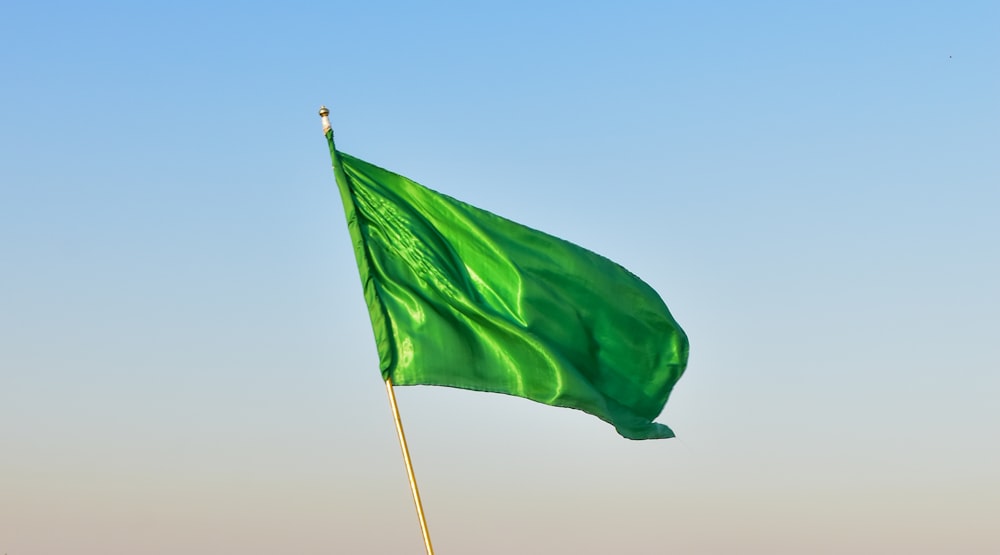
[{"x": 461, "y": 297}]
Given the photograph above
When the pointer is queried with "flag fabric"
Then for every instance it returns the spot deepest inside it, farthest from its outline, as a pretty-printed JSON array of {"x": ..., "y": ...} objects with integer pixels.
[{"x": 461, "y": 297}]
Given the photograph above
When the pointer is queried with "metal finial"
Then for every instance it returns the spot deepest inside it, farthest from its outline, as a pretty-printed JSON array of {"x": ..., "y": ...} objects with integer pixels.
[{"x": 325, "y": 114}]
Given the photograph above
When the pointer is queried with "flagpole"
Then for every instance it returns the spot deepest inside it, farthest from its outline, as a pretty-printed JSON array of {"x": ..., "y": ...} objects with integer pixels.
[
  {"x": 324, "y": 113},
  {"x": 409, "y": 467}
]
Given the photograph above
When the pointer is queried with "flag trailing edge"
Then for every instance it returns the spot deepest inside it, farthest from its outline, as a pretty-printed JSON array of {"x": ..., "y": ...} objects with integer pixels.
[{"x": 461, "y": 297}]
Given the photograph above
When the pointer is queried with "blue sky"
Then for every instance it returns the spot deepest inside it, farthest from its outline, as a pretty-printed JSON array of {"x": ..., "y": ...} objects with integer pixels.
[{"x": 186, "y": 363}]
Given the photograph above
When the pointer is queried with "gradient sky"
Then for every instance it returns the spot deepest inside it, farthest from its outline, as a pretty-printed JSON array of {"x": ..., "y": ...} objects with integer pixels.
[{"x": 186, "y": 363}]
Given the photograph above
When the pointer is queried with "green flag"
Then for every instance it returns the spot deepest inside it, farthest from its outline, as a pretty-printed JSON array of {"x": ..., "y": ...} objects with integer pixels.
[{"x": 461, "y": 297}]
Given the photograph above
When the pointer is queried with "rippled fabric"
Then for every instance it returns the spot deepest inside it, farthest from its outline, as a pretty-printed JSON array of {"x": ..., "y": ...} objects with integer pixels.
[{"x": 463, "y": 298}]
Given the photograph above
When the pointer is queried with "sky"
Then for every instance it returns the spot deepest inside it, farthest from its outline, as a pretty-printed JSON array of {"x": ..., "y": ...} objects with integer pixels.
[{"x": 186, "y": 361}]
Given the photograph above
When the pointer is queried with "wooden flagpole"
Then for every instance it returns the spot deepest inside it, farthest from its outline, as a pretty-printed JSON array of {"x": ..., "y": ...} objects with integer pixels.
[
  {"x": 324, "y": 113},
  {"x": 409, "y": 467}
]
